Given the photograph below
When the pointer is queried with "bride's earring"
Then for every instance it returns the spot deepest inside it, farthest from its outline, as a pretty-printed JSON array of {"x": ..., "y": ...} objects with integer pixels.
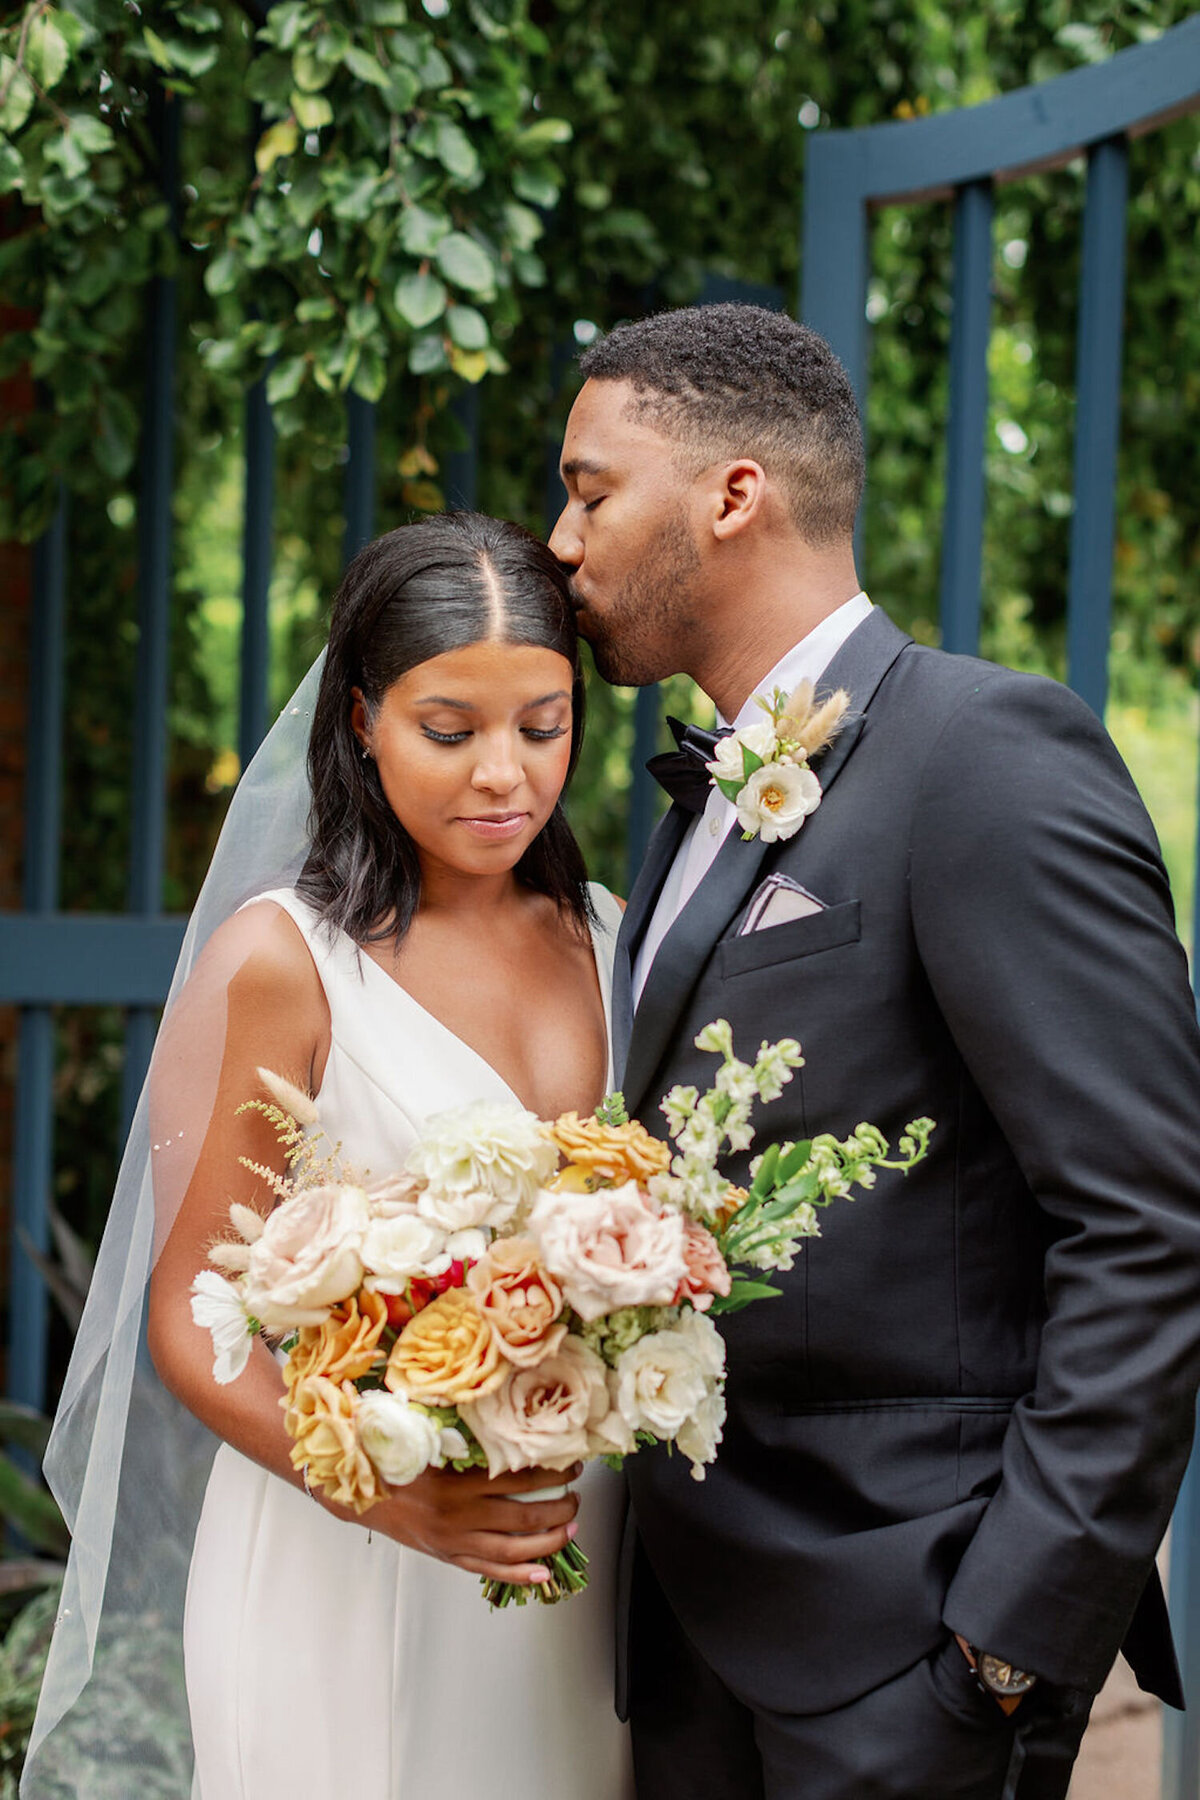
[{"x": 366, "y": 752}]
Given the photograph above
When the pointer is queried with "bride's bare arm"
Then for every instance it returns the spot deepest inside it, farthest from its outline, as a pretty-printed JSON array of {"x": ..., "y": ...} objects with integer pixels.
[{"x": 256, "y": 1001}]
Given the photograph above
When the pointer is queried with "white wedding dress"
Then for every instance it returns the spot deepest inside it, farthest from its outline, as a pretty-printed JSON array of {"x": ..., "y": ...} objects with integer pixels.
[{"x": 323, "y": 1661}]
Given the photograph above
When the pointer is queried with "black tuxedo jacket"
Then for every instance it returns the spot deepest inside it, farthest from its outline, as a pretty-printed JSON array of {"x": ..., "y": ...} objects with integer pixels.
[{"x": 972, "y": 1407}]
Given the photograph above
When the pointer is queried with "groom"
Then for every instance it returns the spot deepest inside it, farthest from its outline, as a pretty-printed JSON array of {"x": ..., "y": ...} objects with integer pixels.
[{"x": 954, "y": 1442}]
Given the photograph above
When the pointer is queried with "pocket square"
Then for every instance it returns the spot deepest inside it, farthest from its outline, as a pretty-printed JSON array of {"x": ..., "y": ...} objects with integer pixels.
[{"x": 777, "y": 902}]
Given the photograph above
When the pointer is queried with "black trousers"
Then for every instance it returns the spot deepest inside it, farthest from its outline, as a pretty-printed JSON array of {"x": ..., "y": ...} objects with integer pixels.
[{"x": 928, "y": 1734}]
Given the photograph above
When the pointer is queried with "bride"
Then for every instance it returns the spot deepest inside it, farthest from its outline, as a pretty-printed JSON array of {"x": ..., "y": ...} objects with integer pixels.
[{"x": 435, "y": 943}]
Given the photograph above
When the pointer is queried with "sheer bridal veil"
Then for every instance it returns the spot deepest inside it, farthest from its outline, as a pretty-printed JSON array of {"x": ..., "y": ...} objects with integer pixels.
[{"x": 127, "y": 1463}]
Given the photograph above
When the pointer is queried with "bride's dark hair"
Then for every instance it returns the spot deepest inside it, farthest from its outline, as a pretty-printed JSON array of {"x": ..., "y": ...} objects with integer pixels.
[{"x": 444, "y": 583}]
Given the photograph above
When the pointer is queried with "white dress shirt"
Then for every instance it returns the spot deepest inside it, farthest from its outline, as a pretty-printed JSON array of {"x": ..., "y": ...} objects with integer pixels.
[{"x": 703, "y": 838}]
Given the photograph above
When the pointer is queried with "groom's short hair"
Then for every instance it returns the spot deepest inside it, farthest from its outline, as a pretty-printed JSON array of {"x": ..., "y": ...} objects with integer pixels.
[{"x": 730, "y": 380}]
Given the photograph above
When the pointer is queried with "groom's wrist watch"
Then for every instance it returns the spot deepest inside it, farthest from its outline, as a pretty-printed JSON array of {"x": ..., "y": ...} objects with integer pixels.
[{"x": 997, "y": 1676}]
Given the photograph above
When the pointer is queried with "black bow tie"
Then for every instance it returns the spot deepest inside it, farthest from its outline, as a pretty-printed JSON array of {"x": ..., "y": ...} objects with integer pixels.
[{"x": 682, "y": 772}]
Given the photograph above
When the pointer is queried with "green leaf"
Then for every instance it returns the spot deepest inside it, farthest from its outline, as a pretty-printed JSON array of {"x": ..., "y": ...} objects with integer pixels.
[
  {"x": 287, "y": 21},
  {"x": 316, "y": 306},
  {"x": 18, "y": 93},
  {"x": 284, "y": 380},
  {"x": 454, "y": 150},
  {"x": 310, "y": 72},
  {"x": 427, "y": 354},
  {"x": 30, "y": 1509},
  {"x": 467, "y": 327},
  {"x": 12, "y": 168},
  {"x": 115, "y": 442},
  {"x": 462, "y": 261},
  {"x": 402, "y": 88},
  {"x": 24, "y": 1426},
  {"x": 92, "y": 134},
  {"x": 422, "y": 229},
  {"x": 535, "y": 186},
  {"x": 366, "y": 67},
  {"x": 221, "y": 275},
  {"x": 420, "y": 299},
  {"x": 750, "y": 762},
  {"x": 541, "y": 136},
  {"x": 312, "y": 110},
  {"x": 46, "y": 50},
  {"x": 524, "y": 225},
  {"x": 158, "y": 50},
  {"x": 356, "y": 196},
  {"x": 472, "y": 365},
  {"x": 278, "y": 140},
  {"x": 370, "y": 378}
]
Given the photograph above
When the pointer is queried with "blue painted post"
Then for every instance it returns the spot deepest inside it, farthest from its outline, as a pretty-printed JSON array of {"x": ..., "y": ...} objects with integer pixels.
[
  {"x": 256, "y": 572},
  {"x": 148, "y": 806},
  {"x": 1097, "y": 421},
  {"x": 33, "y": 1145},
  {"x": 462, "y": 466},
  {"x": 360, "y": 476},
  {"x": 962, "y": 535}
]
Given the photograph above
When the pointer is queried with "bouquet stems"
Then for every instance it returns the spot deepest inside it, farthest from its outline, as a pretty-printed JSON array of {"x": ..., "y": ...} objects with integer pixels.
[{"x": 568, "y": 1575}]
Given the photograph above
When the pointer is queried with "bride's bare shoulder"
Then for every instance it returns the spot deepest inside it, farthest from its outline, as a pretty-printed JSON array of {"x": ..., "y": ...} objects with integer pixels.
[{"x": 261, "y": 954}]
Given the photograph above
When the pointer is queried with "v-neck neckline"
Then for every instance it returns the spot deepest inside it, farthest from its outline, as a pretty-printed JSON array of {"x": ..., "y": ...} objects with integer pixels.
[{"x": 479, "y": 1057}]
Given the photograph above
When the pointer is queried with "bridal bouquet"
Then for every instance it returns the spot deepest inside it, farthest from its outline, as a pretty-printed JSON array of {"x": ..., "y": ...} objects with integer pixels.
[{"x": 520, "y": 1294}]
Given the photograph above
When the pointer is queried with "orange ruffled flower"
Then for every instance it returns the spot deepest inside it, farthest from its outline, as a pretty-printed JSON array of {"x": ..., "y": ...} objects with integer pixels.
[
  {"x": 344, "y": 1346},
  {"x": 598, "y": 1154},
  {"x": 446, "y": 1352},
  {"x": 320, "y": 1418}
]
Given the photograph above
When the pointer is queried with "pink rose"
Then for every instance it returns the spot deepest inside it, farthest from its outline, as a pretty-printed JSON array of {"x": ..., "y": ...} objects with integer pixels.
[
  {"x": 706, "y": 1272},
  {"x": 609, "y": 1249},
  {"x": 545, "y": 1417},
  {"x": 308, "y": 1257}
]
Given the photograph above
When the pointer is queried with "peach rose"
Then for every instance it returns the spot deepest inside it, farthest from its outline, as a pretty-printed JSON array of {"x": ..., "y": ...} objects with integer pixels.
[
  {"x": 446, "y": 1353},
  {"x": 344, "y": 1345},
  {"x": 321, "y": 1416},
  {"x": 520, "y": 1302},
  {"x": 307, "y": 1257},
  {"x": 613, "y": 1153},
  {"x": 545, "y": 1417},
  {"x": 610, "y": 1249},
  {"x": 706, "y": 1273}
]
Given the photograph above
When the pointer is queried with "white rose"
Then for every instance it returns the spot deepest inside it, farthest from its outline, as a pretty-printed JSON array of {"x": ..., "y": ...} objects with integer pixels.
[
  {"x": 400, "y": 1439},
  {"x": 665, "y": 1377},
  {"x": 481, "y": 1163},
  {"x": 308, "y": 1257},
  {"x": 728, "y": 765},
  {"x": 395, "y": 1249},
  {"x": 217, "y": 1306},
  {"x": 777, "y": 799}
]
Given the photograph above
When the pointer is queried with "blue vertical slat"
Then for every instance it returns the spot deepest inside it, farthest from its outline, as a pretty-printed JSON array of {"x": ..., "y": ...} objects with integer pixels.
[
  {"x": 256, "y": 572},
  {"x": 154, "y": 604},
  {"x": 462, "y": 466},
  {"x": 33, "y": 1142},
  {"x": 1181, "y": 1730},
  {"x": 962, "y": 536},
  {"x": 360, "y": 475},
  {"x": 1097, "y": 420},
  {"x": 642, "y": 786},
  {"x": 834, "y": 255}
]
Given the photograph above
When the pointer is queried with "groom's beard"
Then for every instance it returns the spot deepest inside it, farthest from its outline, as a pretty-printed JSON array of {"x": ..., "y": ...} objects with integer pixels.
[{"x": 641, "y": 636}]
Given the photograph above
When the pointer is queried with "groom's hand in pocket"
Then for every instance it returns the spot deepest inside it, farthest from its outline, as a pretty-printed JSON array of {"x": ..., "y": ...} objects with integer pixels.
[{"x": 474, "y": 1522}]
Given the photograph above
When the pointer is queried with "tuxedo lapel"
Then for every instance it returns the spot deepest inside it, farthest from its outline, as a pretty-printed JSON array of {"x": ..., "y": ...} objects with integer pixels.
[
  {"x": 660, "y": 853},
  {"x": 859, "y": 666}
]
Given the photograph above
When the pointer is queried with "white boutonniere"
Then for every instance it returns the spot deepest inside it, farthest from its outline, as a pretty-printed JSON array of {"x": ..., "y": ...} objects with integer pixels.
[{"x": 764, "y": 768}]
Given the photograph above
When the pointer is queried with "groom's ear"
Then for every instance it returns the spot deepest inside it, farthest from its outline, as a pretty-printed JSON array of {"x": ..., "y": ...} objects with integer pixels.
[{"x": 739, "y": 498}]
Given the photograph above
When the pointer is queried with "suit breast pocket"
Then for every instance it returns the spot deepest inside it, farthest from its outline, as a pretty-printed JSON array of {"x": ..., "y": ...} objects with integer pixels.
[{"x": 824, "y": 930}]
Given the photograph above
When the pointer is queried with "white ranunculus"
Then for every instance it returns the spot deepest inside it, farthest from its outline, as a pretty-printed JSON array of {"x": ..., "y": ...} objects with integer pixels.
[
  {"x": 400, "y": 1439},
  {"x": 452, "y": 1446},
  {"x": 665, "y": 1377},
  {"x": 777, "y": 799},
  {"x": 467, "y": 1246},
  {"x": 396, "y": 1249},
  {"x": 481, "y": 1163},
  {"x": 217, "y": 1306},
  {"x": 727, "y": 763},
  {"x": 308, "y": 1257},
  {"x": 700, "y": 1433}
]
